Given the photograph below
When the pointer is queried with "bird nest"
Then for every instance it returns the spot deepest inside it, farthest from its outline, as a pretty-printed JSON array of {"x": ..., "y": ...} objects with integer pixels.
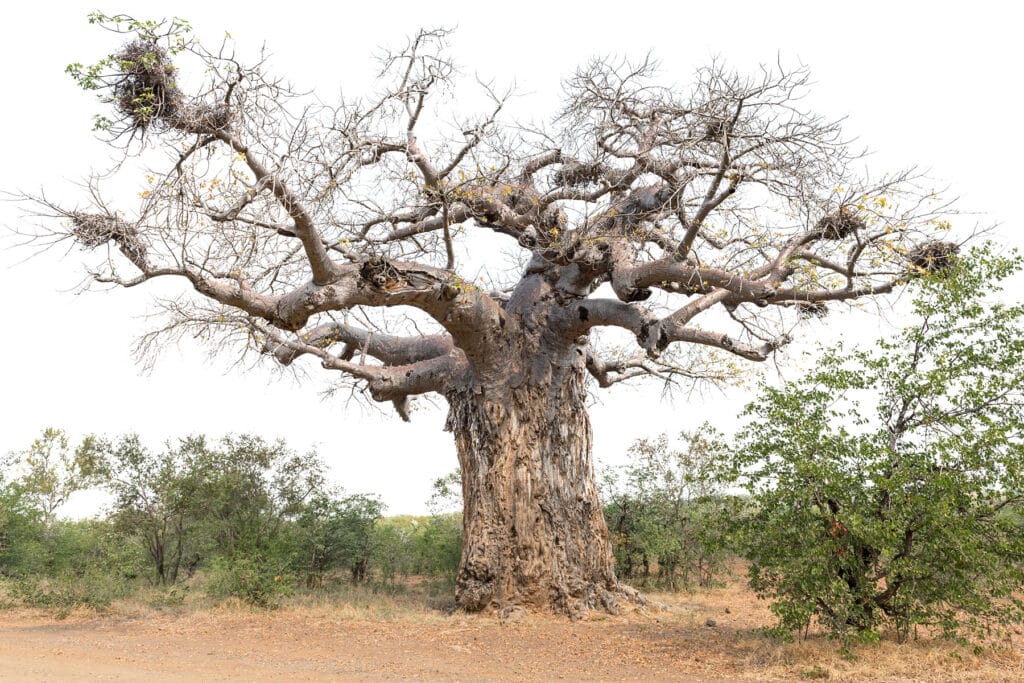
[
  {"x": 146, "y": 91},
  {"x": 839, "y": 225},
  {"x": 714, "y": 129},
  {"x": 812, "y": 309},
  {"x": 93, "y": 230},
  {"x": 202, "y": 118},
  {"x": 575, "y": 173},
  {"x": 933, "y": 257}
]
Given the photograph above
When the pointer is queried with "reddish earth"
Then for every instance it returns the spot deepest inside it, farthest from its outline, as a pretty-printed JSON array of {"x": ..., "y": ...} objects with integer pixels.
[{"x": 374, "y": 642}]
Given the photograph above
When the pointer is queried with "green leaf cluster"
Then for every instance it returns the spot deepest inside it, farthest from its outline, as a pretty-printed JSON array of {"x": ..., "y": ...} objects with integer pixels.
[
  {"x": 667, "y": 511},
  {"x": 888, "y": 483}
]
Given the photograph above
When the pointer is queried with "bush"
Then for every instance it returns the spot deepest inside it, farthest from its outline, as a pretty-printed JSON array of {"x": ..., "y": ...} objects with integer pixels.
[
  {"x": 252, "y": 579},
  {"x": 668, "y": 513},
  {"x": 67, "y": 590},
  {"x": 438, "y": 546},
  {"x": 331, "y": 533},
  {"x": 426, "y": 546},
  {"x": 888, "y": 484},
  {"x": 255, "y": 517},
  {"x": 22, "y": 530}
]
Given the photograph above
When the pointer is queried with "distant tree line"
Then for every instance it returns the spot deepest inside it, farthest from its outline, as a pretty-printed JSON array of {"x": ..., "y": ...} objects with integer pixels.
[{"x": 254, "y": 518}]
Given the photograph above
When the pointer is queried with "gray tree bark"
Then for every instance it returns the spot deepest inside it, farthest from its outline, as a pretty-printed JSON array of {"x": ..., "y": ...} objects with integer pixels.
[{"x": 535, "y": 533}]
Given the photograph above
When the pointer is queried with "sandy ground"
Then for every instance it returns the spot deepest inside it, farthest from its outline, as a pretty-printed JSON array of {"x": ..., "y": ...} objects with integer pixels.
[{"x": 331, "y": 642}]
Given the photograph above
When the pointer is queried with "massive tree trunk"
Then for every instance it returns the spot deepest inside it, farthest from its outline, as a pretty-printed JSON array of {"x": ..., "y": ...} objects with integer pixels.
[{"x": 534, "y": 531}]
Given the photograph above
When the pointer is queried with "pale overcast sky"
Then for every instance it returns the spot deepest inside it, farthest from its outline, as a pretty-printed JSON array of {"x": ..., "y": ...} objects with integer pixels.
[{"x": 919, "y": 84}]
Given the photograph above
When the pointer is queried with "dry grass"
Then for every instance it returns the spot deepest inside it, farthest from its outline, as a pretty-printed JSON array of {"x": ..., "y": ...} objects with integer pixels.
[
  {"x": 356, "y": 633},
  {"x": 735, "y": 647}
]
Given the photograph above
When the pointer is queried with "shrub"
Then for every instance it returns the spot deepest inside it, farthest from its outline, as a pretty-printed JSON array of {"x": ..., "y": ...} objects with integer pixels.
[
  {"x": 888, "y": 484},
  {"x": 67, "y": 590},
  {"x": 667, "y": 510},
  {"x": 251, "y": 578}
]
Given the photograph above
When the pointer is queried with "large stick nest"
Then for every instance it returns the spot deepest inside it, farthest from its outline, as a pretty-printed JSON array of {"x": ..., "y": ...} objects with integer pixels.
[
  {"x": 93, "y": 230},
  {"x": 839, "y": 225},
  {"x": 202, "y": 118},
  {"x": 576, "y": 174},
  {"x": 146, "y": 91},
  {"x": 933, "y": 257}
]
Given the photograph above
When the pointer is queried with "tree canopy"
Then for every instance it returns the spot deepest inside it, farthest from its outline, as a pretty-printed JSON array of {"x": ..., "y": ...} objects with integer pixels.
[{"x": 294, "y": 220}]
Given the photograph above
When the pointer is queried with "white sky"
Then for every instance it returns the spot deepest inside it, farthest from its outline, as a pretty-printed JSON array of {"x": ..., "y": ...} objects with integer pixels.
[{"x": 922, "y": 86}]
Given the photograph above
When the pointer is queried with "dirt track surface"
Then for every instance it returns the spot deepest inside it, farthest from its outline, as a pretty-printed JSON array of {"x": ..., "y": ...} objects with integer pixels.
[
  {"x": 231, "y": 647},
  {"x": 338, "y": 643}
]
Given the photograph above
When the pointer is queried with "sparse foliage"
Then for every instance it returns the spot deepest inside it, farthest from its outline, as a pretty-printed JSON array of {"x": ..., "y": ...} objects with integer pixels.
[{"x": 50, "y": 471}]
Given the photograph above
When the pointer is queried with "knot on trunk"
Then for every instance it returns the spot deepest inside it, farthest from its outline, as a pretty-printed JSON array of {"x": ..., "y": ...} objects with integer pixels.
[
  {"x": 636, "y": 294},
  {"x": 528, "y": 238},
  {"x": 284, "y": 354},
  {"x": 812, "y": 309},
  {"x": 778, "y": 342},
  {"x": 652, "y": 338}
]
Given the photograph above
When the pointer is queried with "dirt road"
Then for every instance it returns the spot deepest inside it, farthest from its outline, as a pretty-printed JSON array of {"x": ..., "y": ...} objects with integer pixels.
[
  {"x": 324, "y": 643},
  {"x": 296, "y": 646}
]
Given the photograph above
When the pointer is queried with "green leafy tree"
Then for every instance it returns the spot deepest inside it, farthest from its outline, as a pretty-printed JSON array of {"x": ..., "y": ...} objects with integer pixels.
[
  {"x": 447, "y": 493},
  {"x": 667, "y": 508},
  {"x": 888, "y": 483},
  {"x": 21, "y": 526},
  {"x": 156, "y": 502},
  {"x": 438, "y": 545},
  {"x": 51, "y": 471},
  {"x": 249, "y": 488},
  {"x": 357, "y": 518},
  {"x": 34, "y": 484},
  {"x": 333, "y": 533},
  {"x": 197, "y": 501}
]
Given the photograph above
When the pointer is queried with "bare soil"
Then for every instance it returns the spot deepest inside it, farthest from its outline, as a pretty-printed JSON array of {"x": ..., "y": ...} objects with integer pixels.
[{"x": 382, "y": 640}]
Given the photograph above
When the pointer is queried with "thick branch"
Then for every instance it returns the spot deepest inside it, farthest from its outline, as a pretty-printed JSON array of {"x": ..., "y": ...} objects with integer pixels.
[
  {"x": 612, "y": 371},
  {"x": 389, "y": 349},
  {"x": 385, "y": 383},
  {"x": 322, "y": 267}
]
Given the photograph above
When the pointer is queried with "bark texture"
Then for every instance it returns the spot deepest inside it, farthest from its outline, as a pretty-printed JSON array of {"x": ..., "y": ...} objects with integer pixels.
[{"x": 535, "y": 533}]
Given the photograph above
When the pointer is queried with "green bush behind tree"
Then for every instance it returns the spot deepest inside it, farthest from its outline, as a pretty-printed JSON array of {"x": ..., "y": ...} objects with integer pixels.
[{"x": 668, "y": 510}]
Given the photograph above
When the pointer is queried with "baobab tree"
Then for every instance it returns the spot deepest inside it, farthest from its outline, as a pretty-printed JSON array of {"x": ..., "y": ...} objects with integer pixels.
[{"x": 646, "y": 232}]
